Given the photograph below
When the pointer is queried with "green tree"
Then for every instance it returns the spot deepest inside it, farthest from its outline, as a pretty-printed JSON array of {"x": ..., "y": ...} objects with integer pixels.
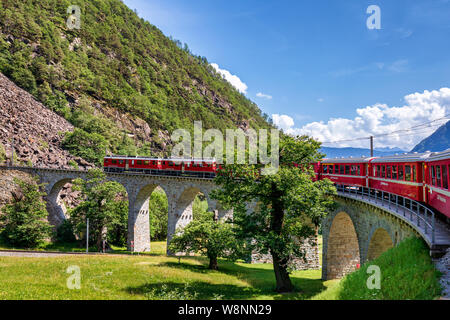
[
  {"x": 158, "y": 208},
  {"x": 290, "y": 205},
  {"x": 89, "y": 146},
  {"x": 24, "y": 222},
  {"x": 208, "y": 237},
  {"x": 103, "y": 204}
]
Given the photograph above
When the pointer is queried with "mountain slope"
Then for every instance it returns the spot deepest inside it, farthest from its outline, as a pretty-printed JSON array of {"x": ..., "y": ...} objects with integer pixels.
[
  {"x": 117, "y": 76},
  {"x": 36, "y": 130},
  {"x": 438, "y": 141},
  {"x": 357, "y": 152}
]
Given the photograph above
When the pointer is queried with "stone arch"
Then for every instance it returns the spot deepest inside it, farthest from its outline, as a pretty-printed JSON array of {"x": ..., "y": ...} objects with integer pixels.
[
  {"x": 139, "y": 220},
  {"x": 343, "y": 252},
  {"x": 55, "y": 206},
  {"x": 181, "y": 213},
  {"x": 380, "y": 241}
]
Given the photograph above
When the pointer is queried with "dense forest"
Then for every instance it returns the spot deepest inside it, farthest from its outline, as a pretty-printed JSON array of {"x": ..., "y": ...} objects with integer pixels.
[{"x": 119, "y": 80}]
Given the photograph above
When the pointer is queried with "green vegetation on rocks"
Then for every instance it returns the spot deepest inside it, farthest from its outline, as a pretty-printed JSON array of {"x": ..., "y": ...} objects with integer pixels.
[{"x": 115, "y": 72}]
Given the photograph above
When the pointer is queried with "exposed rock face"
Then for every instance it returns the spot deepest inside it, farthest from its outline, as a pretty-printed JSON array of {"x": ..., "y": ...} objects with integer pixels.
[
  {"x": 7, "y": 185},
  {"x": 37, "y": 131}
]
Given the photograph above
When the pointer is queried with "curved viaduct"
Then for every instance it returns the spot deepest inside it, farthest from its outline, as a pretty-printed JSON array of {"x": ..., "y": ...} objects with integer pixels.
[
  {"x": 180, "y": 192},
  {"x": 364, "y": 226},
  {"x": 358, "y": 230}
]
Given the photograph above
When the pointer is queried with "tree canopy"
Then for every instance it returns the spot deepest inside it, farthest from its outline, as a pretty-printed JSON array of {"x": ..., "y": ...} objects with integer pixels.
[{"x": 275, "y": 211}]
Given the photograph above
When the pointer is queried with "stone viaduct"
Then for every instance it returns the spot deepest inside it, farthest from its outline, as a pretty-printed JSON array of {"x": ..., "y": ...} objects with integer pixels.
[
  {"x": 180, "y": 192},
  {"x": 357, "y": 231}
]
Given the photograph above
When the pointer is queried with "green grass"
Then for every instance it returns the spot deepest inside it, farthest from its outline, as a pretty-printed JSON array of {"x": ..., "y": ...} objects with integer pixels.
[{"x": 407, "y": 273}]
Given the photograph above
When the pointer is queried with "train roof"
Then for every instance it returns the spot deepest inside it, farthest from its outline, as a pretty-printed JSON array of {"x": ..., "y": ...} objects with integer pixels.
[
  {"x": 436, "y": 156},
  {"x": 408, "y": 157},
  {"x": 161, "y": 159},
  {"x": 347, "y": 160}
]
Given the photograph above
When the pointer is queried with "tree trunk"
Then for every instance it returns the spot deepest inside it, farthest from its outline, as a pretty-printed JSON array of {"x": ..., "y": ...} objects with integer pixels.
[
  {"x": 213, "y": 263},
  {"x": 284, "y": 283}
]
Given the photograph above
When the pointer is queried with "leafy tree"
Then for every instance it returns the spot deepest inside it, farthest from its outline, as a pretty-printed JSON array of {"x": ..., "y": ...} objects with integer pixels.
[
  {"x": 290, "y": 205},
  {"x": 90, "y": 146},
  {"x": 211, "y": 238},
  {"x": 158, "y": 208},
  {"x": 103, "y": 204},
  {"x": 24, "y": 222}
]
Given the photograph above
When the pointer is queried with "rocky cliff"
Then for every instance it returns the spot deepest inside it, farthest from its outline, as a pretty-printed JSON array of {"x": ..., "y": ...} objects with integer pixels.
[{"x": 36, "y": 130}]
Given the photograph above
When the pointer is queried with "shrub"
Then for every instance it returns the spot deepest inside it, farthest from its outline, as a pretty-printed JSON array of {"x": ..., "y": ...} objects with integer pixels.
[{"x": 24, "y": 221}]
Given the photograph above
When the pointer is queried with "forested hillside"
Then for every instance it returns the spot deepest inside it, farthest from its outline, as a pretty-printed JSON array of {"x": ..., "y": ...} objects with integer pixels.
[{"x": 118, "y": 80}]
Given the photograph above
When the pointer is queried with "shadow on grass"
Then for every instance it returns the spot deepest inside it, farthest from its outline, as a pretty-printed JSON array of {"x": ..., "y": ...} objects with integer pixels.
[{"x": 261, "y": 282}]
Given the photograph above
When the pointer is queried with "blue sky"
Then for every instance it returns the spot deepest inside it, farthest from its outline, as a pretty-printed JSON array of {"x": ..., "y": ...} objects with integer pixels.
[{"x": 315, "y": 63}]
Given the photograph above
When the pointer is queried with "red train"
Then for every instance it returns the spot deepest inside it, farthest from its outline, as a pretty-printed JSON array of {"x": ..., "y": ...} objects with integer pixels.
[
  {"x": 156, "y": 166},
  {"x": 422, "y": 177}
]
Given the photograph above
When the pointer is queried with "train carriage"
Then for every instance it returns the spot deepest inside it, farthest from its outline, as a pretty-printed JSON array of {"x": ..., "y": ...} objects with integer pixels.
[
  {"x": 205, "y": 168},
  {"x": 401, "y": 174},
  {"x": 437, "y": 170},
  {"x": 348, "y": 171}
]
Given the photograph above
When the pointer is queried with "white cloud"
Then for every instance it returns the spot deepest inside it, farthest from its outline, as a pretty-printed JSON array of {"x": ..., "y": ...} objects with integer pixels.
[
  {"x": 381, "y": 119},
  {"x": 283, "y": 121},
  {"x": 231, "y": 78},
  {"x": 264, "y": 96}
]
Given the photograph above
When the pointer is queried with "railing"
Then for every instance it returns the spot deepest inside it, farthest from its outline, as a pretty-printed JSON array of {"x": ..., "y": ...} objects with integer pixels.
[{"x": 419, "y": 214}]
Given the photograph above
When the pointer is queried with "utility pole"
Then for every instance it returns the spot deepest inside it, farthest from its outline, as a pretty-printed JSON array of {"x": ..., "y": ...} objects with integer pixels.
[
  {"x": 371, "y": 146},
  {"x": 87, "y": 236}
]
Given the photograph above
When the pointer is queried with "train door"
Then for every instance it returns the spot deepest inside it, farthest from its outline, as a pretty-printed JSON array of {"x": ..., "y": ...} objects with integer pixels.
[
  {"x": 366, "y": 167},
  {"x": 182, "y": 168},
  {"x": 424, "y": 188},
  {"x": 127, "y": 164}
]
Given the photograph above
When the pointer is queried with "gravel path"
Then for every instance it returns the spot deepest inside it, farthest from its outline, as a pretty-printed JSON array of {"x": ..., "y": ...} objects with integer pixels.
[
  {"x": 443, "y": 265},
  {"x": 31, "y": 254}
]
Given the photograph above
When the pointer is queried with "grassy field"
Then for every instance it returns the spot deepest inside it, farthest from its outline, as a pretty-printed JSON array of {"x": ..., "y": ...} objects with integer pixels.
[
  {"x": 147, "y": 277},
  {"x": 407, "y": 273}
]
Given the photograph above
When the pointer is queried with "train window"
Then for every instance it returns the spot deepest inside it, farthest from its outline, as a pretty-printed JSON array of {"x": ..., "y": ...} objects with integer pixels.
[
  {"x": 120, "y": 161},
  {"x": 325, "y": 169},
  {"x": 347, "y": 169},
  {"x": 400, "y": 172},
  {"x": 414, "y": 173},
  {"x": 139, "y": 162},
  {"x": 330, "y": 169},
  {"x": 354, "y": 170},
  {"x": 438, "y": 176},
  {"x": 336, "y": 168},
  {"x": 388, "y": 172},
  {"x": 408, "y": 173},
  {"x": 383, "y": 171},
  {"x": 444, "y": 177},
  {"x": 359, "y": 171},
  {"x": 114, "y": 161},
  {"x": 341, "y": 169},
  {"x": 146, "y": 162},
  {"x": 378, "y": 171},
  {"x": 170, "y": 163},
  {"x": 394, "y": 172},
  {"x": 433, "y": 176}
]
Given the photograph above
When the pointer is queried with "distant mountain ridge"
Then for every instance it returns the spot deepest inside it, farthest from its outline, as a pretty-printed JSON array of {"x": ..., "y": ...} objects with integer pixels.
[
  {"x": 358, "y": 152},
  {"x": 438, "y": 141}
]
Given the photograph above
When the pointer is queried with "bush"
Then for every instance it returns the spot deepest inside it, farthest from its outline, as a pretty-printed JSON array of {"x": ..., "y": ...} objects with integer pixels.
[
  {"x": 65, "y": 232},
  {"x": 24, "y": 221},
  {"x": 89, "y": 146}
]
